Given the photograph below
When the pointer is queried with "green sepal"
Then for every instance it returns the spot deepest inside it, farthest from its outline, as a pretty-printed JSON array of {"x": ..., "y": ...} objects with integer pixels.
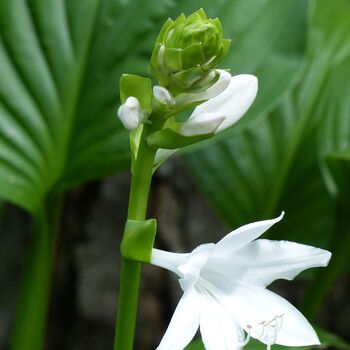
[
  {"x": 138, "y": 240},
  {"x": 186, "y": 78},
  {"x": 196, "y": 16},
  {"x": 172, "y": 59},
  {"x": 218, "y": 26},
  {"x": 169, "y": 22},
  {"x": 171, "y": 138},
  {"x": 192, "y": 54},
  {"x": 135, "y": 136},
  {"x": 139, "y": 87}
]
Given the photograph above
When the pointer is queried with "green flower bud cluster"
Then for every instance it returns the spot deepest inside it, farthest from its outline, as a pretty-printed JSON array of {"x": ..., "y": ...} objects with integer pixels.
[{"x": 186, "y": 52}]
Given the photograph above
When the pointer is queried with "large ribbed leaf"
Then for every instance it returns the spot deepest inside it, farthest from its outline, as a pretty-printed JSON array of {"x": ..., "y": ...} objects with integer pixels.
[
  {"x": 273, "y": 165},
  {"x": 60, "y": 62},
  {"x": 332, "y": 116},
  {"x": 239, "y": 176},
  {"x": 334, "y": 138}
]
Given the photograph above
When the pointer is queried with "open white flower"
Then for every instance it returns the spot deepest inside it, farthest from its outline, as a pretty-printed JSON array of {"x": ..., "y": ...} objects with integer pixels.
[{"x": 225, "y": 291}]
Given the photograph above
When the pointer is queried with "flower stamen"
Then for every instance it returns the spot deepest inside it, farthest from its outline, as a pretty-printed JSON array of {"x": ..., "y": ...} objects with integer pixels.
[
  {"x": 269, "y": 330},
  {"x": 246, "y": 340}
]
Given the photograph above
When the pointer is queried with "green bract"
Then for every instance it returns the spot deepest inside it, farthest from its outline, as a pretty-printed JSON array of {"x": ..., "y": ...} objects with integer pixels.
[{"x": 187, "y": 50}]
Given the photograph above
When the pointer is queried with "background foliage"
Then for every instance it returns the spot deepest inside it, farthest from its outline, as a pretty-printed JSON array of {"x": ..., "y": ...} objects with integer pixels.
[{"x": 60, "y": 62}]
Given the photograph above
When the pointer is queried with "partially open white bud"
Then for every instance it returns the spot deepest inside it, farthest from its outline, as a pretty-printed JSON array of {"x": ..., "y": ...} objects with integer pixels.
[
  {"x": 217, "y": 88},
  {"x": 202, "y": 124},
  {"x": 131, "y": 114},
  {"x": 163, "y": 95},
  {"x": 233, "y": 102}
]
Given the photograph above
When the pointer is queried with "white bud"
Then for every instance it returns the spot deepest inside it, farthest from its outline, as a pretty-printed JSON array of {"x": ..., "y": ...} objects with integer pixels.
[
  {"x": 131, "y": 114},
  {"x": 163, "y": 95}
]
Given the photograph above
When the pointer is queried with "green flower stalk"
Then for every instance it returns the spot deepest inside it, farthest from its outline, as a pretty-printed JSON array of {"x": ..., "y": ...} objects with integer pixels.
[
  {"x": 186, "y": 52},
  {"x": 184, "y": 62}
]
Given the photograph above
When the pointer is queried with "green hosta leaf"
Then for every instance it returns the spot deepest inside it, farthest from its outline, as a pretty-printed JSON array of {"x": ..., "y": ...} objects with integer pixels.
[
  {"x": 273, "y": 166},
  {"x": 334, "y": 136},
  {"x": 329, "y": 33},
  {"x": 262, "y": 44},
  {"x": 328, "y": 114},
  {"x": 338, "y": 166},
  {"x": 239, "y": 176},
  {"x": 60, "y": 62},
  {"x": 328, "y": 45}
]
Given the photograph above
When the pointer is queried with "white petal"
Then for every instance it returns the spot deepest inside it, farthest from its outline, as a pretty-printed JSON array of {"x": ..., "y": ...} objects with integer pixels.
[
  {"x": 163, "y": 95},
  {"x": 252, "y": 306},
  {"x": 218, "y": 328},
  {"x": 263, "y": 261},
  {"x": 184, "y": 323},
  {"x": 233, "y": 102},
  {"x": 242, "y": 236},
  {"x": 168, "y": 260},
  {"x": 202, "y": 124},
  {"x": 193, "y": 265},
  {"x": 218, "y": 87}
]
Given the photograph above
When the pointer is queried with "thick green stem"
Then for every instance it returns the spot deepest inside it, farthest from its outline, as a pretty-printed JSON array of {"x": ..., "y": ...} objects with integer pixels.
[
  {"x": 324, "y": 280},
  {"x": 34, "y": 296},
  {"x": 130, "y": 270}
]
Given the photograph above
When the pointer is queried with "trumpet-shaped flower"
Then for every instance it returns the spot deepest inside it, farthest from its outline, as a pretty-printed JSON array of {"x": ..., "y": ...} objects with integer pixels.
[{"x": 225, "y": 291}]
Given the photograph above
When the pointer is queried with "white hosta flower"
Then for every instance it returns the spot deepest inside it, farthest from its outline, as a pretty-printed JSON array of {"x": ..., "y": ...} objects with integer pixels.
[
  {"x": 225, "y": 295},
  {"x": 228, "y": 100},
  {"x": 232, "y": 103},
  {"x": 131, "y": 114}
]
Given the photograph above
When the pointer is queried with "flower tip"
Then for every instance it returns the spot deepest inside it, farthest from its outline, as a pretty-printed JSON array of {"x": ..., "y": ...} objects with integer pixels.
[
  {"x": 327, "y": 258},
  {"x": 280, "y": 217},
  {"x": 251, "y": 81},
  {"x": 315, "y": 340}
]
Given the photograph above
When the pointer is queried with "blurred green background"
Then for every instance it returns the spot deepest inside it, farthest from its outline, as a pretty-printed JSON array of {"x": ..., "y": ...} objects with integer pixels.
[{"x": 64, "y": 158}]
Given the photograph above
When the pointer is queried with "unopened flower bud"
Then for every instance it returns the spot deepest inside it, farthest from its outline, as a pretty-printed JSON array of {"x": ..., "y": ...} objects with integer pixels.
[
  {"x": 187, "y": 50},
  {"x": 131, "y": 114},
  {"x": 163, "y": 95}
]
